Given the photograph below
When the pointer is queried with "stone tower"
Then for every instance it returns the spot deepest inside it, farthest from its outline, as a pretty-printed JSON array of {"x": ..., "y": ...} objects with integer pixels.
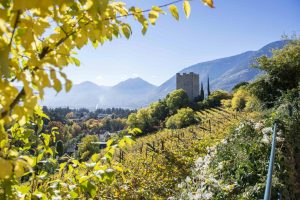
[{"x": 189, "y": 83}]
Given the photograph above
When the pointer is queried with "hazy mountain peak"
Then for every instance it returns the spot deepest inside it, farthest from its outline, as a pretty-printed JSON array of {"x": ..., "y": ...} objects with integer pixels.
[
  {"x": 134, "y": 83},
  {"x": 224, "y": 73},
  {"x": 87, "y": 83}
]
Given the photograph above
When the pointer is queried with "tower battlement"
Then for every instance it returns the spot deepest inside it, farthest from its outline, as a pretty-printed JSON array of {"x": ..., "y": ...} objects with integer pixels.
[{"x": 189, "y": 82}]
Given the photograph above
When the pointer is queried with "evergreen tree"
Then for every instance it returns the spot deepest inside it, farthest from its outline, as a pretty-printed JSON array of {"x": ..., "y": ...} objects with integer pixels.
[
  {"x": 59, "y": 148},
  {"x": 201, "y": 92},
  {"x": 208, "y": 88}
]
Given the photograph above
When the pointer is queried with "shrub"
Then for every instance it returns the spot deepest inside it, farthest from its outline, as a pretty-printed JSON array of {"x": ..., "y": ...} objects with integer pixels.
[
  {"x": 282, "y": 73},
  {"x": 243, "y": 100},
  {"x": 237, "y": 86},
  {"x": 59, "y": 148},
  {"x": 183, "y": 118},
  {"x": 142, "y": 120},
  {"x": 214, "y": 99},
  {"x": 176, "y": 100},
  {"x": 86, "y": 149}
]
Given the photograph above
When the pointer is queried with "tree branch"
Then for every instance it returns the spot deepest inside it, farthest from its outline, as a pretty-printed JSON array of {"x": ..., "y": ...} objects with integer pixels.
[
  {"x": 15, "y": 27},
  {"x": 13, "y": 104}
]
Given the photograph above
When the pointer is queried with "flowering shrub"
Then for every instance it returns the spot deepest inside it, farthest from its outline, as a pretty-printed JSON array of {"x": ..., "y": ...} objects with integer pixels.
[{"x": 236, "y": 168}]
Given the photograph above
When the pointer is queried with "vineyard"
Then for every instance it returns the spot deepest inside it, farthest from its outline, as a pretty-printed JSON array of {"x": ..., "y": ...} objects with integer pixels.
[{"x": 156, "y": 163}]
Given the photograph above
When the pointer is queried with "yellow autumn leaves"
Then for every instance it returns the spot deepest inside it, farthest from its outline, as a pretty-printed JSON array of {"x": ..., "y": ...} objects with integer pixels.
[
  {"x": 187, "y": 8},
  {"x": 36, "y": 58},
  {"x": 6, "y": 168},
  {"x": 18, "y": 167},
  {"x": 209, "y": 3}
]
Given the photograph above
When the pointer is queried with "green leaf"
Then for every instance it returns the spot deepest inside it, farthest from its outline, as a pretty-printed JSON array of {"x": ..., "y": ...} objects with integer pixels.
[
  {"x": 56, "y": 82},
  {"x": 145, "y": 27},
  {"x": 126, "y": 30},
  {"x": 135, "y": 131},
  {"x": 75, "y": 61},
  {"x": 68, "y": 85},
  {"x": 62, "y": 166},
  {"x": 91, "y": 189},
  {"x": 153, "y": 15},
  {"x": 209, "y": 3},
  {"x": 109, "y": 142},
  {"x": 46, "y": 139},
  {"x": 95, "y": 157},
  {"x": 95, "y": 44},
  {"x": 73, "y": 194},
  {"x": 158, "y": 9},
  {"x": 174, "y": 11},
  {"x": 38, "y": 111},
  {"x": 39, "y": 157},
  {"x": 187, "y": 8},
  {"x": 4, "y": 59}
]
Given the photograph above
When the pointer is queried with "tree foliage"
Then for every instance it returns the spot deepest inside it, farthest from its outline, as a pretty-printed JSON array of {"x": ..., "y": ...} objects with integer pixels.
[
  {"x": 176, "y": 100},
  {"x": 86, "y": 149},
  {"x": 159, "y": 111},
  {"x": 237, "y": 86},
  {"x": 243, "y": 100},
  {"x": 214, "y": 99},
  {"x": 152, "y": 117},
  {"x": 282, "y": 73},
  {"x": 142, "y": 120},
  {"x": 184, "y": 117}
]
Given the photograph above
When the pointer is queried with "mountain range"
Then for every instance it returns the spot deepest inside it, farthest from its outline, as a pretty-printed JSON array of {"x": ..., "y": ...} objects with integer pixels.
[{"x": 223, "y": 73}]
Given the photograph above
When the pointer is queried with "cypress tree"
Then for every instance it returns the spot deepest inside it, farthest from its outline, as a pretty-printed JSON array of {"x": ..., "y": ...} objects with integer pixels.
[
  {"x": 208, "y": 88},
  {"x": 60, "y": 148},
  {"x": 201, "y": 92}
]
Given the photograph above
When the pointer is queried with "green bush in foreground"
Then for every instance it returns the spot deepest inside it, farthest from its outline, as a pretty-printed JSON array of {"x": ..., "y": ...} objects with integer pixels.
[{"x": 183, "y": 118}]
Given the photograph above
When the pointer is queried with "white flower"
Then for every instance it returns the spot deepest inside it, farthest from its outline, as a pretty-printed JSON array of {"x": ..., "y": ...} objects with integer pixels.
[
  {"x": 109, "y": 170},
  {"x": 99, "y": 172},
  {"x": 54, "y": 185},
  {"x": 56, "y": 192},
  {"x": 266, "y": 130},
  {"x": 279, "y": 139},
  {"x": 90, "y": 164},
  {"x": 207, "y": 195},
  {"x": 265, "y": 139},
  {"x": 220, "y": 165},
  {"x": 224, "y": 141},
  {"x": 258, "y": 126},
  {"x": 20, "y": 195},
  {"x": 72, "y": 187},
  {"x": 103, "y": 158},
  {"x": 38, "y": 195},
  {"x": 125, "y": 187},
  {"x": 56, "y": 198},
  {"x": 187, "y": 179},
  {"x": 64, "y": 184}
]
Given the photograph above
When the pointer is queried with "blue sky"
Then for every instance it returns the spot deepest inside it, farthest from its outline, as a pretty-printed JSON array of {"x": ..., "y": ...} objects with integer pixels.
[{"x": 233, "y": 27}]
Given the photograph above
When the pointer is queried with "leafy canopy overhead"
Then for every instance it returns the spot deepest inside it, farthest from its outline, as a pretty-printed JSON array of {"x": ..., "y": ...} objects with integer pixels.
[{"x": 40, "y": 38}]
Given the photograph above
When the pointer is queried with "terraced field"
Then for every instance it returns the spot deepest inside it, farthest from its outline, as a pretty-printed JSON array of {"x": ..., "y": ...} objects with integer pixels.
[{"x": 156, "y": 163}]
